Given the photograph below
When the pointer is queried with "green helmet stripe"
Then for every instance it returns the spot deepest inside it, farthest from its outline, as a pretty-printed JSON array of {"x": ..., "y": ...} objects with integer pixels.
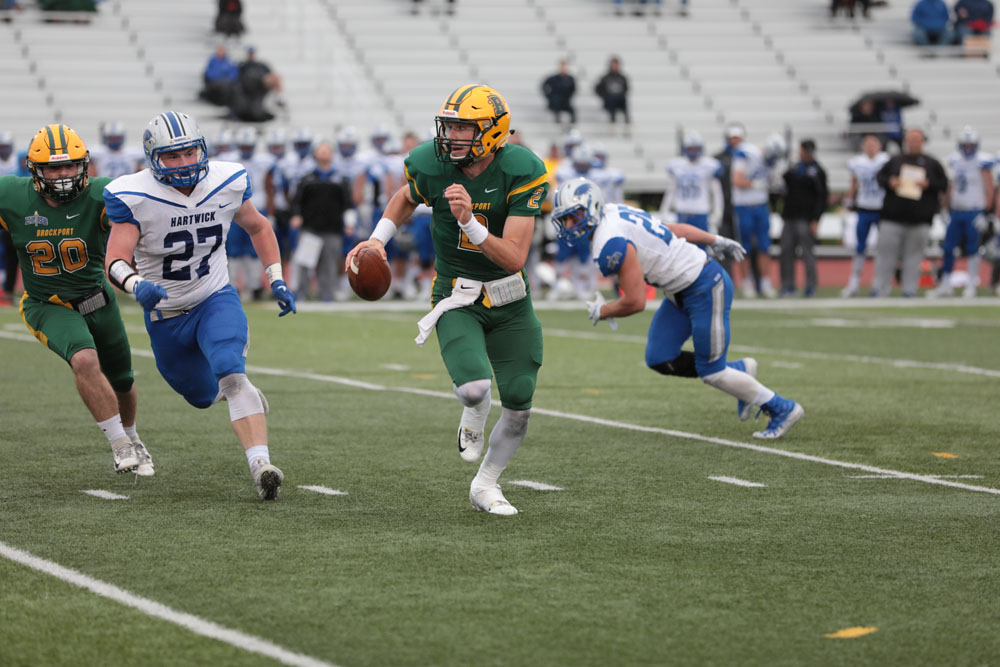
[
  {"x": 52, "y": 138},
  {"x": 62, "y": 139},
  {"x": 459, "y": 94}
]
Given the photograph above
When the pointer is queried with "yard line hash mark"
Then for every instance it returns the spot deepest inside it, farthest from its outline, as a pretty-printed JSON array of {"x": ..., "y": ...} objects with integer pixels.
[
  {"x": 197, "y": 625},
  {"x": 332, "y": 379},
  {"x": 735, "y": 480},
  {"x": 322, "y": 489},
  {"x": 105, "y": 495},
  {"x": 537, "y": 486}
]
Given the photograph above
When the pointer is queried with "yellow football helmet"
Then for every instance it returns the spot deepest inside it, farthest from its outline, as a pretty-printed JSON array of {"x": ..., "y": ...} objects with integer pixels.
[
  {"x": 477, "y": 105},
  {"x": 55, "y": 145}
]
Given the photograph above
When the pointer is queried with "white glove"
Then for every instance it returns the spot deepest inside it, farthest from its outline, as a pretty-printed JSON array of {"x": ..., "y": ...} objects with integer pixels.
[
  {"x": 723, "y": 246},
  {"x": 594, "y": 311},
  {"x": 981, "y": 223}
]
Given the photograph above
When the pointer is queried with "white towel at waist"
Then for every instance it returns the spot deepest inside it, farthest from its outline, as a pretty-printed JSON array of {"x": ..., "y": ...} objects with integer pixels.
[{"x": 464, "y": 293}]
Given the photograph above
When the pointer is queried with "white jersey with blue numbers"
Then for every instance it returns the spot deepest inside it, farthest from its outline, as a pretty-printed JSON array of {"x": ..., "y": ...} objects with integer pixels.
[
  {"x": 112, "y": 164},
  {"x": 691, "y": 183},
  {"x": 748, "y": 159},
  {"x": 668, "y": 262},
  {"x": 865, "y": 170},
  {"x": 181, "y": 237},
  {"x": 968, "y": 192}
]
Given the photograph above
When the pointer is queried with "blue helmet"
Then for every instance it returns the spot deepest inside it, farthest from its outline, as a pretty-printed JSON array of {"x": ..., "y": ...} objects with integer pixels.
[
  {"x": 577, "y": 209},
  {"x": 172, "y": 131}
]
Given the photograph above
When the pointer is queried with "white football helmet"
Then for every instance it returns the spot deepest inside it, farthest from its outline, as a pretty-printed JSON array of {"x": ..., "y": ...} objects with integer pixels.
[
  {"x": 380, "y": 136},
  {"x": 692, "y": 145},
  {"x": 113, "y": 134},
  {"x": 572, "y": 139},
  {"x": 577, "y": 209},
  {"x": 600, "y": 155},
  {"x": 583, "y": 159},
  {"x": 223, "y": 142},
  {"x": 775, "y": 148},
  {"x": 302, "y": 141},
  {"x": 347, "y": 141},
  {"x": 173, "y": 131},
  {"x": 246, "y": 142},
  {"x": 968, "y": 141},
  {"x": 277, "y": 141}
]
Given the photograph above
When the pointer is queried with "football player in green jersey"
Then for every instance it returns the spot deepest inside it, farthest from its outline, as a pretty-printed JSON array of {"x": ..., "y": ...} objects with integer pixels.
[
  {"x": 59, "y": 227},
  {"x": 485, "y": 195}
]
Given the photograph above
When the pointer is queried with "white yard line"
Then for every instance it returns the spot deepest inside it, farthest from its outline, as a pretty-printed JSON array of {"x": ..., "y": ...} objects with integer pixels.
[
  {"x": 926, "y": 479},
  {"x": 149, "y": 607},
  {"x": 735, "y": 480},
  {"x": 537, "y": 486},
  {"x": 105, "y": 495},
  {"x": 322, "y": 489},
  {"x": 898, "y": 477}
]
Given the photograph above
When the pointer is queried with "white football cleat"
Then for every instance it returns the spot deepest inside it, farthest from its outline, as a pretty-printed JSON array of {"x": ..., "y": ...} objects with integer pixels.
[
  {"x": 470, "y": 443},
  {"x": 267, "y": 478},
  {"x": 490, "y": 499},
  {"x": 145, "y": 466},
  {"x": 124, "y": 455}
]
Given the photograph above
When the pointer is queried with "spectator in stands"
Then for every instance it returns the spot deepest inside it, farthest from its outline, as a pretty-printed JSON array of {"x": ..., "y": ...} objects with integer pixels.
[
  {"x": 318, "y": 209},
  {"x": 806, "y": 196},
  {"x": 864, "y": 116},
  {"x": 449, "y": 10},
  {"x": 973, "y": 17},
  {"x": 253, "y": 83},
  {"x": 559, "y": 90},
  {"x": 229, "y": 20},
  {"x": 930, "y": 23},
  {"x": 848, "y": 6},
  {"x": 640, "y": 7},
  {"x": 219, "y": 78},
  {"x": 914, "y": 184},
  {"x": 89, "y": 6},
  {"x": 612, "y": 88},
  {"x": 892, "y": 120}
]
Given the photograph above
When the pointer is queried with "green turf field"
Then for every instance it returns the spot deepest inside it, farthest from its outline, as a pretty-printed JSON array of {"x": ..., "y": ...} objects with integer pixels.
[{"x": 641, "y": 559}]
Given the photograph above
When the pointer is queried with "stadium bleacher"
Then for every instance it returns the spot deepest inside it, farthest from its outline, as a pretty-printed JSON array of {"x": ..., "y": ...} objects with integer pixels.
[{"x": 776, "y": 67}]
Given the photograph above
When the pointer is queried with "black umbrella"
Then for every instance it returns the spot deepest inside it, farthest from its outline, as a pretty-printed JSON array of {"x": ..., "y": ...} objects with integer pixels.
[{"x": 880, "y": 97}]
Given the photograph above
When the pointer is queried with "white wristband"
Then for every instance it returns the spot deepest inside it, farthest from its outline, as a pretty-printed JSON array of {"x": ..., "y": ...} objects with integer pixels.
[
  {"x": 273, "y": 272},
  {"x": 384, "y": 230},
  {"x": 475, "y": 230},
  {"x": 131, "y": 283}
]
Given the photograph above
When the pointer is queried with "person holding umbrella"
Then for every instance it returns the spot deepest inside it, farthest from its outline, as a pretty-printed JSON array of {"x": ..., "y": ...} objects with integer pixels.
[{"x": 881, "y": 107}]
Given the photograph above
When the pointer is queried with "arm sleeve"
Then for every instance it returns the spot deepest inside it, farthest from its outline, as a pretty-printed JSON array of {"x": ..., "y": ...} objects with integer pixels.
[
  {"x": 610, "y": 259},
  {"x": 117, "y": 210}
]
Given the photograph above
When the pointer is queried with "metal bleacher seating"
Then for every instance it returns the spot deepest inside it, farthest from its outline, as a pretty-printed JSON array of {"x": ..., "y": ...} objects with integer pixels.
[{"x": 775, "y": 66}]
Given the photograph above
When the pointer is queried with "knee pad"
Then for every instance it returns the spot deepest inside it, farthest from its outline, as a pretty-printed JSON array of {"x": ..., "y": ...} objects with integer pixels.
[
  {"x": 473, "y": 392},
  {"x": 518, "y": 393},
  {"x": 242, "y": 396},
  {"x": 681, "y": 366}
]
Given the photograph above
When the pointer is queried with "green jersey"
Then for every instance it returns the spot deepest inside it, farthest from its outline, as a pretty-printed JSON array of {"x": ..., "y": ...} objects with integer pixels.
[
  {"x": 515, "y": 183},
  {"x": 60, "y": 248}
]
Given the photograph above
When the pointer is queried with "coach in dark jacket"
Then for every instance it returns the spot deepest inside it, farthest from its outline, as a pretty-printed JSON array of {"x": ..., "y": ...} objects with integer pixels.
[
  {"x": 914, "y": 184},
  {"x": 805, "y": 200},
  {"x": 318, "y": 209},
  {"x": 559, "y": 90}
]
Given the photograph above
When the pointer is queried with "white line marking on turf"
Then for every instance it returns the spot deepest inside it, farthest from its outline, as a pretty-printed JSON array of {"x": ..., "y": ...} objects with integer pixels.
[
  {"x": 926, "y": 479},
  {"x": 735, "y": 480},
  {"x": 794, "y": 365},
  {"x": 537, "y": 486},
  {"x": 898, "y": 477},
  {"x": 193, "y": 623},
  {"x": 322, "y": 489},
  {"x": 394, "y": 367},
  {"x": 106, "y": 495}
]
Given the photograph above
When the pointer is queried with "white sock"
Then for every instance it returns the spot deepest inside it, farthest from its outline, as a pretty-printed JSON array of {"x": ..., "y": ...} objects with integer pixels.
[
  {"x": 739, "y": 385},
  {"x": 131, "y": 433},
  {"x": 973, "y": 270},
  {"x": 258, "y": 452},
  {"x": 112, "y": 428},
  {"x": 505, "y": 439},
  {"x": 857, "y": 264}
]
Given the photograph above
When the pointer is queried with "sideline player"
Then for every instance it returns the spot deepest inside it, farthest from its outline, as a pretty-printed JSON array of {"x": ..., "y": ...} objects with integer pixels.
[
  {"x": 485, "y": 195},
  {"x": 57, "y": 221},
  {"x": 864, "y": 196},
  {"x": 970, "y": 194},
  {"x": 640, "y": 249},
  {"x": 173, "y": 217},
  {"x": 694, "y": 190},
  {"x": 751, "y": 180}
]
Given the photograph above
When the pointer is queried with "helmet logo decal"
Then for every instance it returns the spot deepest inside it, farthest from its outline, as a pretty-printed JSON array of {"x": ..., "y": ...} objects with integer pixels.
[
  {"x": 498, "y": 105},
  {"x": 583, "y": 188}
]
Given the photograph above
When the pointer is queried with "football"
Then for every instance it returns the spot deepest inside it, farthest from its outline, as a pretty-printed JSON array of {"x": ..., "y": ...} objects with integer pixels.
[{"x": 369, "y": 275}]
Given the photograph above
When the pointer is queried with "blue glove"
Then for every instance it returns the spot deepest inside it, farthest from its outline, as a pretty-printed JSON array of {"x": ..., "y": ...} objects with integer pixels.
[
  {"x": 286, "y": 300},
  {"x": 149, "y": 294}
]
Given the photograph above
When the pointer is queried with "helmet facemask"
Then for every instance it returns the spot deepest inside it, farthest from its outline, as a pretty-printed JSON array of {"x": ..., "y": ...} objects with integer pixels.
[
  {"x": 60, "y": 189},
  {"x": 577, "y": 209},
  {"x": 184, "y": 176}
]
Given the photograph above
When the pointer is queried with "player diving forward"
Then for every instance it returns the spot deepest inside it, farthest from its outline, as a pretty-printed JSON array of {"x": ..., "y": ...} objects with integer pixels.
[
  {"x": 485, "y": 195},
  {"x": 173, "y": 217},
  {"x": 640, "y": 249}
]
